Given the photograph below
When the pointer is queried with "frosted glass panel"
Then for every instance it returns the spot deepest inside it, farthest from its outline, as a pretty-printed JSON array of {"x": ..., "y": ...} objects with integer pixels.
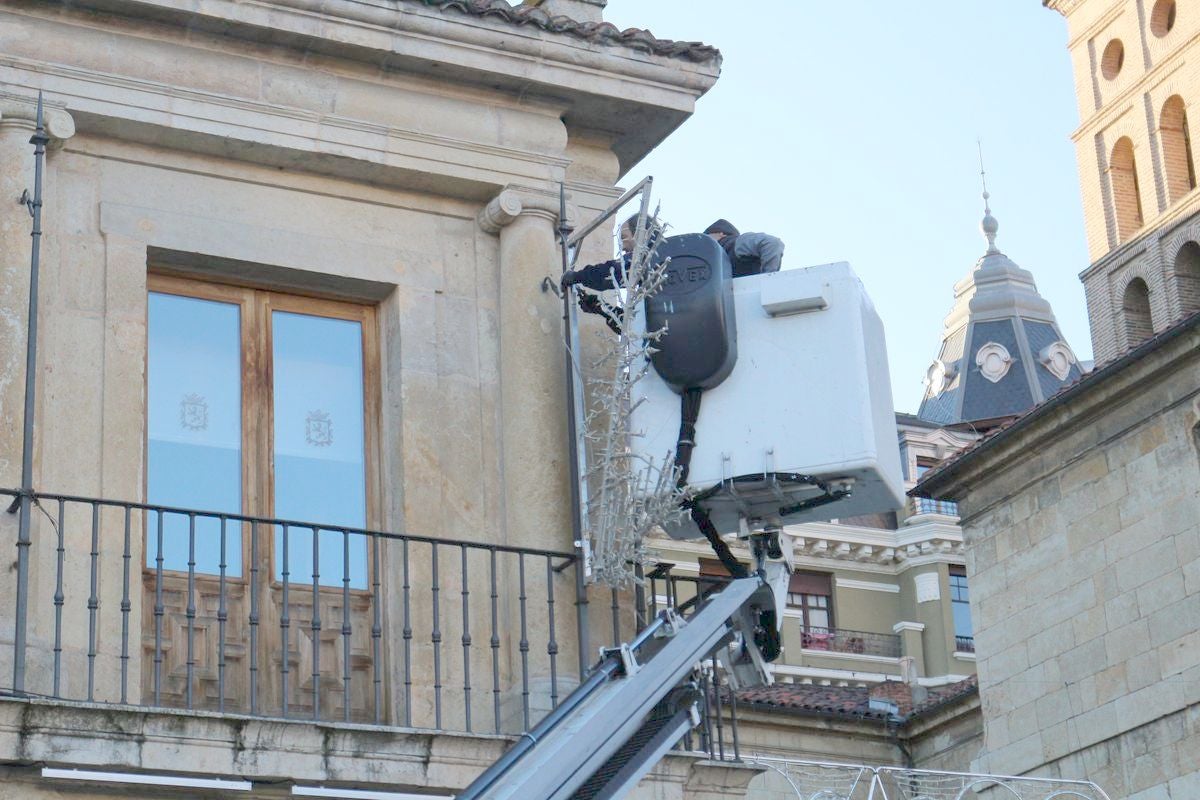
[
  {"x": 194, "y": 423},
  {"x": 320, "y": 468}
]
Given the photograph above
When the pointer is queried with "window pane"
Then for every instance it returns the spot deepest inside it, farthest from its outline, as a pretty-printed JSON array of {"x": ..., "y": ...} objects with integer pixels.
[
  {"x": 194, "y": 427},
  {"x": 962, "y": 619},
  {"x": 320, "y": 466}
]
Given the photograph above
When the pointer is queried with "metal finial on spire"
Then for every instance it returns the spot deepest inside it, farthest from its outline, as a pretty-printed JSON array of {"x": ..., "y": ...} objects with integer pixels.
[{"x": 989, "y": 225}]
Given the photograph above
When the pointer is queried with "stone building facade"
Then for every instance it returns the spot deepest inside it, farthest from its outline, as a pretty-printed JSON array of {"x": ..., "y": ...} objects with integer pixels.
[
  {"x": 1082, "y": 527},
  {"x": 292, "y": 273}
]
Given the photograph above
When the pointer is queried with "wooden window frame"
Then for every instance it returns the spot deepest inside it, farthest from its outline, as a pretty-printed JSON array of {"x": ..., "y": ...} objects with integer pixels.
[{"x": 257, "y": 467}]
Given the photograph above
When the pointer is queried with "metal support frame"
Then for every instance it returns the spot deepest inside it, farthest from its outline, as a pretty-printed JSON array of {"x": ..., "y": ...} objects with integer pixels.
[
  {"x": 569, "y": 240},
  {"x": 24, "y": 500}
]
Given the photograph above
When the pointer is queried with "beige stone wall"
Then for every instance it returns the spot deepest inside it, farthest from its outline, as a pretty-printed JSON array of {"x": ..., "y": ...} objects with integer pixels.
[
  {"x": 398, "y": 157},
  {"x": 1138, "y": 208},
  {"x": 1084, "y": 560},
  {"x": 274, "y": 754}
]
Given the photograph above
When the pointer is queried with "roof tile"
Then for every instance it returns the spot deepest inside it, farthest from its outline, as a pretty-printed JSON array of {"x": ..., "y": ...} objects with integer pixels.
[{"x": 596, "y": 32}]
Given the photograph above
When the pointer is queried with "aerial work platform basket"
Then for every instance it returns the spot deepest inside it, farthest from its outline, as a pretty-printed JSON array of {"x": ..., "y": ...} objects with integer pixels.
[{"x": 803, "y": 427}]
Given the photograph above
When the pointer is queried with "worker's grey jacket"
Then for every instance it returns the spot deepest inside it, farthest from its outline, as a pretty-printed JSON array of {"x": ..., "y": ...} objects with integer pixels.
[{"x": 752, "y": 253}]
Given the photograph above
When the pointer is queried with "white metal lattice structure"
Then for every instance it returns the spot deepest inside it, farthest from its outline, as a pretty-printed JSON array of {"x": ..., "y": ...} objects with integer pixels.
[{"x": 817, "y": 780}]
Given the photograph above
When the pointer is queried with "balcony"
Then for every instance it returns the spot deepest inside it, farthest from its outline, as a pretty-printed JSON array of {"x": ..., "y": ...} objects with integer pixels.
[
  {"x": 840, "y": 640},
  {"x": 924, "y": 505},
  {"x": 147, "y": 607},
  {"x": 964, "y": 644}
]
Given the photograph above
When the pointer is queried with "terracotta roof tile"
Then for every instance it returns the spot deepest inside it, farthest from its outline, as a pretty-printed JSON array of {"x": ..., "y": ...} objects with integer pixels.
[
  {"x": 597, "y": 32},
  {"x": 854, "y": 702}
]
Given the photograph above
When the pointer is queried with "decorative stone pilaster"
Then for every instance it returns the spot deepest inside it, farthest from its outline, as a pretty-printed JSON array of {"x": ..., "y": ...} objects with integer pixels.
[
  {"x": 911, "y": 644},
  {"x": 533, "y": 399},
  {"x": 18, "y": 117}
]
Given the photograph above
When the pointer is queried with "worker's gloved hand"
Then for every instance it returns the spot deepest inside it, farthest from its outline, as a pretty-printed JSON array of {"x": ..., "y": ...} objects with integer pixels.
[{"x": 569, "y": 278}]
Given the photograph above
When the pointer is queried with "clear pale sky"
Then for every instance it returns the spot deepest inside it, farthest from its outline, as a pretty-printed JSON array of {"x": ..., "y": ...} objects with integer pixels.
[{"x": 849, "y": 129}]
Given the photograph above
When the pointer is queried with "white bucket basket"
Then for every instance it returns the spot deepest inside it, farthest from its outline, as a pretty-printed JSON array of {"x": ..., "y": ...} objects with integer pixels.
[{"x": 809, "y": 396}]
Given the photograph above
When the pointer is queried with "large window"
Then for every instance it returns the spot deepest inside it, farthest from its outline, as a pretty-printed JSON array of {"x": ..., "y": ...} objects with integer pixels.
[
  {"x": 964, "y": 636},
  {"x": 811, "y": 593},
  {"x": 258, "y": 403}
]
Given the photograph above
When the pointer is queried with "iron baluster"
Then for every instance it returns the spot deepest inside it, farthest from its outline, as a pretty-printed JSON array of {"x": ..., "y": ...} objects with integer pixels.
[
  {"x": 377, "y": 626},
  {"x": 93, "y": 603},
  {"x": 346, "y": 629},
  {"x": 59, "y": 599},
  {"x": 616, "y": 618},
  {"x": 581, "y": 617},
  {"x": 254, "y": 617},
  {"x": 495, "y": 644},
  {"x": 733, "y": 724},
  {"x": 552, "y": 643},
  {"x": 316, "y": 623},
  {"x": 285, "y": 622},
  {"x": 191, "y": 606},
  {"x": 222, "y": 616},
  {"x": 524, "y": 644},
  {"x": 466, "y": 640},
  {"x": 720, "y": 725},
  {"x": 126, "y": 607},
  {"x": 436, "y": 639},
  {"x": 407, "y": 634},
  {"x": 158, "y": 611},
  {"x": 639, "y": 598}
]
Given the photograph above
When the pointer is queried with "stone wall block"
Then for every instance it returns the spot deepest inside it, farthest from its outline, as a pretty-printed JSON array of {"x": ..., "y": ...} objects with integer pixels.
[
  {"x": 1052, "y": 642},
  {"x": 1143, "y": 670},
  {"x": 1125, "y": 642},
  {"x": 1160, "y": 593},
  {"x": 1086, "y": 659},
  {"x": 1147, "y": 564}
]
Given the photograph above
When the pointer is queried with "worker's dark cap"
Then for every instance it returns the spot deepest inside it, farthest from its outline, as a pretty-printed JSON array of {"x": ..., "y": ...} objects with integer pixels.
[{"x": 722, "y": 226}]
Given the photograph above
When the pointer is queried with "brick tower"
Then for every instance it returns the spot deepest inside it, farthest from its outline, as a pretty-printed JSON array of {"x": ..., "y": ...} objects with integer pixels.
[{"x": 1137, "y": 79}]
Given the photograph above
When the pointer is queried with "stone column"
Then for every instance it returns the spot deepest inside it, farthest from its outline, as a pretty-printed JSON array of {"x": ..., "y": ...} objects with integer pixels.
[
  {"x": 535, "y": 470},
  {"x": 533, "y": 414}
]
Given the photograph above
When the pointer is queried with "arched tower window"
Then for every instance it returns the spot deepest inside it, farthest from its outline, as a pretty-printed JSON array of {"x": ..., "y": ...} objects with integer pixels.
[
  {"x": 1127, "y": 196},
  {"x": 1177, "y": 148},
  {"x": 1187, "y": 277},
  {"x": 1136, "y": 310}
]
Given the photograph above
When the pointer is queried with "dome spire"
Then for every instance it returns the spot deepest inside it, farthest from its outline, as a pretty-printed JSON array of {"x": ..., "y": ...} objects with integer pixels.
[{"x": 989, "y": 225}]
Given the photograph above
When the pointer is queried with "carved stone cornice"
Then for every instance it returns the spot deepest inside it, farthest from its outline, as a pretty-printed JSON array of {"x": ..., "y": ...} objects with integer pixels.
[
  {"x": 822, "y": 547},
  {"x": 60, "y": 125}
]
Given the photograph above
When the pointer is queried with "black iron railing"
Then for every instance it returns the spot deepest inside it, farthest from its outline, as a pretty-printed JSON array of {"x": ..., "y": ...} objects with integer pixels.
[
  {"x": 149, "y": 605},
  {"x": 964, "y": 644},
  {"x": 924, "y": 505},
  {"x": 841, "y": 640},
  {"x": 717, "y": 735}
]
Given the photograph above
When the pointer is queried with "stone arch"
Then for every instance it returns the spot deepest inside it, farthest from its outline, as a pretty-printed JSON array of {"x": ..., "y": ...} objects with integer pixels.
[
  {"x": 1187, "y": 277},
  {"x": 1135, "y": 312},
  {"x": 1126, "y": 191},
  {"x": 1178, "y": 164}
]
